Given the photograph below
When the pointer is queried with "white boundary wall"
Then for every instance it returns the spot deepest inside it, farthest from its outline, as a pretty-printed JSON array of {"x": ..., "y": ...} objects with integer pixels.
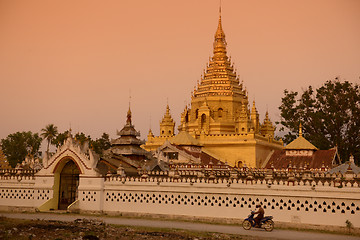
[
  {"x": 325, "y": 205},
  {"x": 24, "y": 192}
]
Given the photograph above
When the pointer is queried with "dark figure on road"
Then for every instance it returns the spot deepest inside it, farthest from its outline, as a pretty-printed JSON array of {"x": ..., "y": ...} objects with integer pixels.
[{"x": 260, "y": 215}]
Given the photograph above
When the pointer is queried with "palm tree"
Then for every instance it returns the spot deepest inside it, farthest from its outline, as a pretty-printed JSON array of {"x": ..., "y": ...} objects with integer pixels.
[{"x": 49, "y": 133}]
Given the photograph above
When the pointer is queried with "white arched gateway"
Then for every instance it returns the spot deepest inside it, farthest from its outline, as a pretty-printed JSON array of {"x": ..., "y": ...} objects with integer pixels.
[{"x": 71, "y": 169}]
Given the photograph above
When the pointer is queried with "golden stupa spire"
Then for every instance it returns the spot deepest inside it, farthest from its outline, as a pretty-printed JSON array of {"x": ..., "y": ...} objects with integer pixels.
[
  {"x": 219, "y": 43},
  {"x": 167, "y": 109},
  {"x": 167, "y": 124},
  {"x": 300, "y": 130},
  {"x": 219, "y": 32},
  {"x": 219, "y": 78},
  {"x": 253, "y": 110},
  {"x": 167, "y": 116}
]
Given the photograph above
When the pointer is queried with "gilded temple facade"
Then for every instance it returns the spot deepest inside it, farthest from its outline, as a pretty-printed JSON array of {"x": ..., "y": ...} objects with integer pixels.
[{"x": 220, "y": 116}]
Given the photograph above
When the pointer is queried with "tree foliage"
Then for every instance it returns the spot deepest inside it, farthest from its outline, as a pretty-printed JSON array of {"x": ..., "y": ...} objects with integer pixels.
[
  {"x": 330, "y": 117},
  {"x": 98, "y": 145},
  {"x": 101, "y": 144},
  {"x": 4, "y": 164},
  {"x": 82, "y": 138},
  {"x": 18, "y": 145},
  {"x": 60, "y": 138}
]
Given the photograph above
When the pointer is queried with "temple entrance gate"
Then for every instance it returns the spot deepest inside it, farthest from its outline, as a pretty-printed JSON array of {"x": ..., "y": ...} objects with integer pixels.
[{"x": 69, "y": 182}]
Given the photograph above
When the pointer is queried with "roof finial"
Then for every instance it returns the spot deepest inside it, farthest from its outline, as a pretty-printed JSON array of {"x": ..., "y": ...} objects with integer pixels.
[
  {"x": 220, "y": 10},
  {"x": 219, "y": 32},
  {"x": 220, "y": 43},
  {"x": 129, "y": 97},
  {"x": 150, "y": 122},
  {"x": 300, "y": 130},
  {"x": 128, "y": 116}
]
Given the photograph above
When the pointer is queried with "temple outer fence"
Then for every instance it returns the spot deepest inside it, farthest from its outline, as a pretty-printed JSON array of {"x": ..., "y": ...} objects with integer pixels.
[{"x": 315, "y": 198}]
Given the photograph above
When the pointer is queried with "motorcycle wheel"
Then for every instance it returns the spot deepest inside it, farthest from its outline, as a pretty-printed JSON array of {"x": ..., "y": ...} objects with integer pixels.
[
  {"x": 246, "y": 224},
  {"x": 269, "y": 225}
]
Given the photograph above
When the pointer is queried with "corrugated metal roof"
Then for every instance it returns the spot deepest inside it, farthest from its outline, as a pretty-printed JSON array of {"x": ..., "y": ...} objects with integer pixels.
[
  {"x": 344, "y": 167},
  {"x": 279, "y": 159}
]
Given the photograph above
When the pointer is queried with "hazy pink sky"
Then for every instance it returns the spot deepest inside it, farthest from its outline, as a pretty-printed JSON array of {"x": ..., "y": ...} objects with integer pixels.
[{"x": 70, "y": 61}]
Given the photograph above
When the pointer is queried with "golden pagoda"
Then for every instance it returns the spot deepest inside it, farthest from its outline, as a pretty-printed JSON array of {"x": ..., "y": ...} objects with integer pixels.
[
  {"x": 167, "y": 125},
  {"x": 220, "y": 117},
  {"x": 167, "y": 131}
]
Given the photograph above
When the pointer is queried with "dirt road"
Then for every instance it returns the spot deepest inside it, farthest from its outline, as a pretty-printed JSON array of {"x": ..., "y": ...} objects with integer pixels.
[{"x": 276, "y": 234}]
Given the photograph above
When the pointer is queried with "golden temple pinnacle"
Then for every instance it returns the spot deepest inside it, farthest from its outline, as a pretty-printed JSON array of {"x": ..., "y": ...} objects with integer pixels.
[
  {"x": 220, "y": 43},
  {"x": 219, "y": 78}
]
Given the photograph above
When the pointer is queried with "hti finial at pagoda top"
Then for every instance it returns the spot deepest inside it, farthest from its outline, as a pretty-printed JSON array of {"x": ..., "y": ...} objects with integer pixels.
[
  {"x": 300, "y": 130},
  {"x": 220, "y": 43},
  {"x": 219, "y": 32},
  {"x": 128, "y": 117},
  {"x": 167, "y": 109}
]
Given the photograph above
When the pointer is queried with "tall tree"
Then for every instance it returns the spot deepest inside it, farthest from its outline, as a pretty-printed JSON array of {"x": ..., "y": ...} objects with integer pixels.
[
  {"x": 49, "y": 133},
  {"x": 330, "y": 116},
  {"x": 18, "y": 145},
  {"x": 101, "y": 144}
]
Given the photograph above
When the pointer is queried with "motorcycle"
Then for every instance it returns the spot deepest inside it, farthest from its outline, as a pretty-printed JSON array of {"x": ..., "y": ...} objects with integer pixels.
[{"x": 266, "y": 223}]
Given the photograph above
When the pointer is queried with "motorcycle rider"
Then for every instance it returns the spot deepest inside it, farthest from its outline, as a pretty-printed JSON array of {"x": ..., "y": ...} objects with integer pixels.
[{"x": 260, "y": 215}]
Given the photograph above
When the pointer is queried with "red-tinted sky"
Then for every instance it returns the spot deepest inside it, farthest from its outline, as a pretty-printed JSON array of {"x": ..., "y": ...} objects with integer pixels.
[{"x": 68, "y": 61}]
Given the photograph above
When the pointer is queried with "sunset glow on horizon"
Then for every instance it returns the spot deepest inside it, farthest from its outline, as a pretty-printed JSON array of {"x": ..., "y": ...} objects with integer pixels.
[{"x": 75, "y": 62}]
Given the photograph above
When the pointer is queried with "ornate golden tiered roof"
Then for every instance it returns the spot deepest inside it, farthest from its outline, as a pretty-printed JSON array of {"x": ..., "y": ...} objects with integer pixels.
[
  {"x": 219, "y": 77},
  {"x": 167, "y": 119},
  {"x": 167, "y": 124},
  {"x": 267, "y": 128}
]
